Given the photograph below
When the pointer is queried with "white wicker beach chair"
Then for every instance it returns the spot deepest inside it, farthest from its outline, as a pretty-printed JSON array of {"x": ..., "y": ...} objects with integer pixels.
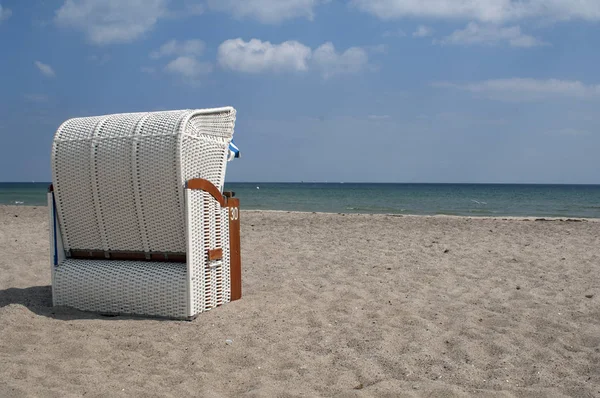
[{"x": 139, "y": 223}]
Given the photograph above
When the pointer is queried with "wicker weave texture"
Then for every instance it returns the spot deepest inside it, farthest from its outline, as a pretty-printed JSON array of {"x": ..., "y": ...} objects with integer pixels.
[
  {"x": 122, "y": 287},
  {"x": 209, "y": 230},
  {"x": 119, "y": 185},
  {"x": 119, "y": 179}
]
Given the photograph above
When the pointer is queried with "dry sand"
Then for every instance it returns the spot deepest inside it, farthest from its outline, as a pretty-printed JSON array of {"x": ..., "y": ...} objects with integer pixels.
[{"x": 334, "y": 305}]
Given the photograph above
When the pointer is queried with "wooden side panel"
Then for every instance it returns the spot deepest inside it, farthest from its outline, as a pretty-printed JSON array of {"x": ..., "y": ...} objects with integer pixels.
[{"x": 235, "y": 246}]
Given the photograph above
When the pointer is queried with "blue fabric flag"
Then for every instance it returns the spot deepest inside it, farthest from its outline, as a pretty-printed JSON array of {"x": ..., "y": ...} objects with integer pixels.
[{"x": 234, "y": 151}]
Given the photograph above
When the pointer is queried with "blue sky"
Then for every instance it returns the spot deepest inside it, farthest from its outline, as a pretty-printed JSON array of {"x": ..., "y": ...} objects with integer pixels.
[{"x": 326, "y": 90}]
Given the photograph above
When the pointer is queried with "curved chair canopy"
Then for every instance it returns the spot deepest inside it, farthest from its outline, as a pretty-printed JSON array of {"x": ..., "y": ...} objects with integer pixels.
[{"x": 119, "y": 179}]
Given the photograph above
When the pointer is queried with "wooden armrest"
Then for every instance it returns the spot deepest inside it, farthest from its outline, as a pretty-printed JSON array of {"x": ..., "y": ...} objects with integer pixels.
[{"x": 207, "y": 186}]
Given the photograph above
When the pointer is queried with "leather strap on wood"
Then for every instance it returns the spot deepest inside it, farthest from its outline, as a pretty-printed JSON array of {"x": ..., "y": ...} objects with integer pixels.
[{"x": 215, "y": 254}]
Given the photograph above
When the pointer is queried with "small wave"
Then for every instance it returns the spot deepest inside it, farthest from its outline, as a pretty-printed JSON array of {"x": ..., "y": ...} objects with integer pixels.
[
  {"x": 478, "y": 202},
  {"x": 18, "y": 202}
]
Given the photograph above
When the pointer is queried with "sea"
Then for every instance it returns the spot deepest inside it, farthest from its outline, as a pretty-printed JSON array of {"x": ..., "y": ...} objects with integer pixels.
[{"x": 497, "y": 200}]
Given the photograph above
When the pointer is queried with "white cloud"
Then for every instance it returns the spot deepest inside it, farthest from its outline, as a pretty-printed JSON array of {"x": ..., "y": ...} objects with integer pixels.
[
  {"x": 423, "y": 31},
  {"x": 267, "y": 11},
  {"x": 490, "y": 35},
  {"x": 332, "y": 63},
  {"x": 525, "y": 89},
  {"x": 483, "y": 10},
  {"x": 5, "y": 13},
  {"x": 45, "y": 69},
  {"x": 174, "y": 48},
  {"x": 111, "y": 21},
  {"x": 257, "y": 56},
  {"x": 183, "y": 59},
  {"x": 188, "y": 67}
]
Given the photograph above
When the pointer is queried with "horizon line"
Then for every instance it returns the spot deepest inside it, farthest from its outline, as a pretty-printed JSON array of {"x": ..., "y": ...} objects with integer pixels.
[{"x": 360, "y": 182}]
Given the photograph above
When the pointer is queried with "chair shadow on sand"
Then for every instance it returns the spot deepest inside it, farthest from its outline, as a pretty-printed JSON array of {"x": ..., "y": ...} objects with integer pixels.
[{"x": 38, "y": 299}]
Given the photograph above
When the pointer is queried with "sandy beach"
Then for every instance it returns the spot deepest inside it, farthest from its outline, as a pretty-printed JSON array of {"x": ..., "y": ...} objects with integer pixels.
[{"x": 333, "y": 305}]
